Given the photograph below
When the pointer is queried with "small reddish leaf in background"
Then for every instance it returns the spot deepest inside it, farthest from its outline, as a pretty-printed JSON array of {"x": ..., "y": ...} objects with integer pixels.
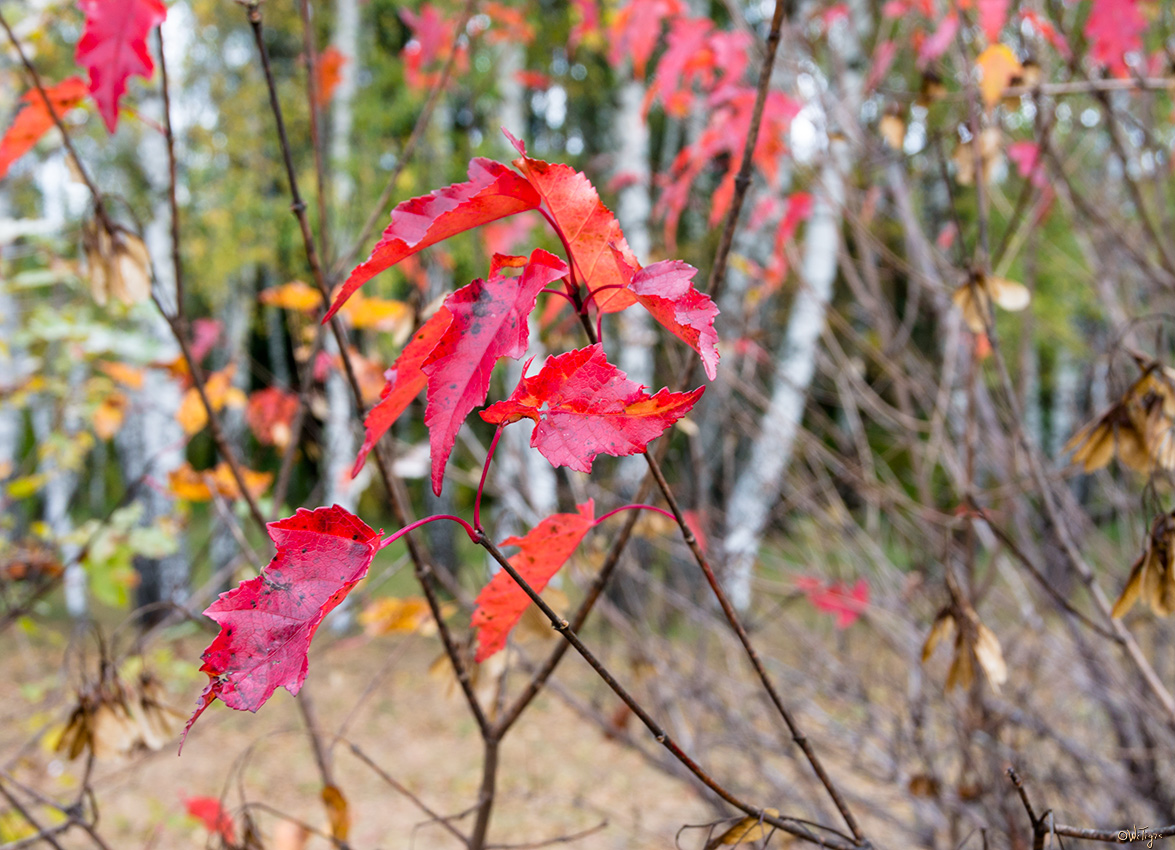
[
  {"x": 883, "y": 57},
  {"x": 34, "y": 118},
  {"x": 588, "y": 25},
  {"x": 993, "y": 14},
  {"x": 492, "y": 192},
  {"x": 1026, "y": 156},
  {"x": 113, "y": 47},
  {"x": 269, "y": 414},
  {"x": 533, "y": 79},
  {"x": 489, "y": 322},
  {"x": 266, "y": 623},
  {"x": 211, "y": 813},
  {"x": 836, "y": 598},
  {"x": 666, "y": 291},
  {"x": 584, "y": 406},
  {"x": 635, "y": 30},
  {"x": 330, "y": 74},
  {"x": 430, "y": 47},
  {"x": 1045, "y": 28},
  {"x": 545, "y": 549},
  {"x": 205, "y": 333},
  {"x": 507, "y": 24},
  {"x": 937, "y": 44},
  {"x": 1114, "y": 28},
  {"x": 405, "y": 380},
  {"x": 588, "y": 226}
]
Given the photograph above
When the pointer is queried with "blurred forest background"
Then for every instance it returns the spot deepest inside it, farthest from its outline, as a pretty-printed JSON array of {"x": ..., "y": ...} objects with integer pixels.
[{"x": 933, "y": 474}]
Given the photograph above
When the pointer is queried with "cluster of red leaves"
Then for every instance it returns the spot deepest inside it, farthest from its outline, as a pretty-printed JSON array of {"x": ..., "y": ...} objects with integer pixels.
[
  {"x": 113, "y": 47},
  {"x": 454, "y": 353},
  {"x": 431, "y": 46}
]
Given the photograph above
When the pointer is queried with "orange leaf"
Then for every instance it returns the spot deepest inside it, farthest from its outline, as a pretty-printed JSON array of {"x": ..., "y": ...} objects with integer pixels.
[
  {"x": 108, "y": 416},
  {"x": 218, "y": 386},
  {"x": 544, "y": 550},
  {"x": 128, "y": 376},
  {"x": 330, "y": 74},
  {"x": 380, "y": 314},
  {"x": 34, "y": 118},
  {"x": 188, "y": 484},
  {"x": 255, "y": 482}
]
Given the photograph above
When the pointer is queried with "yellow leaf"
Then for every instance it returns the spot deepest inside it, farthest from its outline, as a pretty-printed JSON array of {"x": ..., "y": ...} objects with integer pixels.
[
  {"x": 255, "y": 482},
  {"x": 747, "y": 830},
  {"x": 380, "y": 314},
  {"x": 998, "y": 65},
  {"x": 336, "y": 810},
  {"x": 192, "y": 414},
  {"x": 394, "y": 615},
  {"x": 295, "y": 295},
  {"x": 893, "y": 130},
  {"x": 26, "y": 486}
]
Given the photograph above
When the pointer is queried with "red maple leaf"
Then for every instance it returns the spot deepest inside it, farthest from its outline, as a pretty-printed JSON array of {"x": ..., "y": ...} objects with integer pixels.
[
  {"x": 266, "y": 623},
  {"x": 330, "y": 74},
  {"x": 269, "y": 414},
  {"x": 211, "y": 813},
  {"x": 584, "y": 406},
  {"x": 993, "y": 14},
  {"x": 405, "y": 380},
  {"x": 545, "y": 549},
  {"x": 489, "y": 322},
  {"x": 492, "y": 192},
  {"x": 586, "y": 226},
  {"x": 635, "y": 30},
  {"x": 937, "y": 44},
  {"x": 665, "y": 290},
  {"x": 34, "y": 118},
  {"x": 836, "y": 598},
  {"x": 1114, "y": 28},
  {"x": 114, "y": 46}
]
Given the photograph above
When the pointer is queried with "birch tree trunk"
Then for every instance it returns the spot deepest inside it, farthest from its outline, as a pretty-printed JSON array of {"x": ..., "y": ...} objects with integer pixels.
[{"x": 759, "y": 484}]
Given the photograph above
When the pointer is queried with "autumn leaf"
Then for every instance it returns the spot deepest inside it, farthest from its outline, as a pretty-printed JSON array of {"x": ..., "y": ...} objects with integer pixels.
[
  {"x": 492, "y": 192},
  {"x": 974, "y": 299},
  {"x": 255, "y": 482},
  {"x": 120, "y": 265},
  {"x": 746, "y": 831},
  {"x": 330, "y": 74},
  {"x": 998, "y": 66},
  {"x": 543, "y": 551},
  {"x": 108, "y": 416},
  {"x": 1114, "y": 28},
  {"x": 267, "y": 623},
  {"x": 186, "y": 483},
  {"x": 592, "y": 234},
  {"x": 297, "y": 295},
  {"x": 937, "y": 44},
  {"x": 1152, "y": 576},
  {"x": 34, "y": 118},
  {"x": 392, "y": 614},
  {"x": 489, "y": 322},
  {"x": 666, "y": 291},
  {"x": 584, "y": 406},
  {"x": 405, "y": 380},
  {"x": 211, "y": 813},
  {"x": 269, "y": 414},
  {"x": 219, "y": 388},
  {"x": 993, "y": 14},
  {"x": 635, "y": 29},
  {"x": 195, "y": 486},
  {"x": 378, "y": 314},
  {"x": 113, "y": 47},
  {"x": 128, "y": 376},
  {"x": 836, "y": 598}
]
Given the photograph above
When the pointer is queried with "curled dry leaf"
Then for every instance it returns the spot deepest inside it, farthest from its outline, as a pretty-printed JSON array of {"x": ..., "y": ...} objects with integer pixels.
[
  {"x": 337, "y": 811},
  {"x": 112, "y": 719},
  {"x": 990, "y": 150},
  {"x": 745, "y": 831},
  {"x": 974, "y": 643},
  {"x": 975, "y": 297},
  {"x": 1151, "y": 577},
  {"x": 1140, "y": 426},
  {"x": 120, "y": 267}
]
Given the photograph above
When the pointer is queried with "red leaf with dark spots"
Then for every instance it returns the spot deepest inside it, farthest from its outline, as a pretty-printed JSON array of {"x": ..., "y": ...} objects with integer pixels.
[
  {"x": 584, "y": 406},
  {"x": 489, "y": 322},
  {"x": 405, "y": 381},
  {"x": 34, "y": 118},
  {"x": 492, "y": 192},
  {"x": 544, "y": 550},
  {"x": 588, "y": 228},
  {"x": 266, "y": 623},
  {"x": 114, "y": 46}
]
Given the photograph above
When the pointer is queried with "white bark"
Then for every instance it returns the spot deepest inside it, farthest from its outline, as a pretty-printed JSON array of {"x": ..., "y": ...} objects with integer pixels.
[{"x": 758, "y": 486}]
